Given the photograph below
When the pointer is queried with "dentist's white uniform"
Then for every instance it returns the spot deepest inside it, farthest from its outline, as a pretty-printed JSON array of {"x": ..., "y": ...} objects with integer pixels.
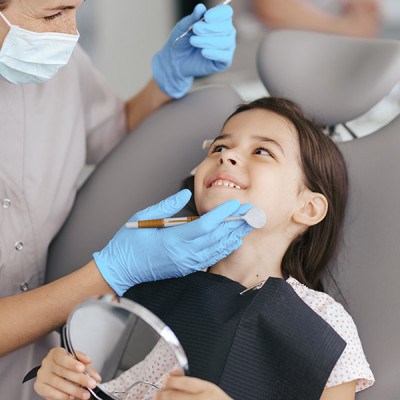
[{"x": 47, "y": 133}]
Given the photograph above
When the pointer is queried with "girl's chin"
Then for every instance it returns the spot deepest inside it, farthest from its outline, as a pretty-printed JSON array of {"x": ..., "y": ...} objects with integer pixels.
[{"x": 210, "y": 205}]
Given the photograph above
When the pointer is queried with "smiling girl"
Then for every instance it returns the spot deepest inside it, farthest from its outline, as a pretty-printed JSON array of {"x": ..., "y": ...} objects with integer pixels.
[{"x": 257, "y": 324}]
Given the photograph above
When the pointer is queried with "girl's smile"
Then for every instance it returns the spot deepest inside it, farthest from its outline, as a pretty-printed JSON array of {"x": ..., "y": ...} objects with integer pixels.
[{"x": 223, "y": 180}]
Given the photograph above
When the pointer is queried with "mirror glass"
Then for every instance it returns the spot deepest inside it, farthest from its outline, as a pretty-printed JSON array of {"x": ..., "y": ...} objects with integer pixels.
[{"x": 131, "y": 348}]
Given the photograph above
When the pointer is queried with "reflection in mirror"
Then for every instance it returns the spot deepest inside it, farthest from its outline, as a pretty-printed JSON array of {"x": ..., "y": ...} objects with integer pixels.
[{"x": 131, "y": 348}]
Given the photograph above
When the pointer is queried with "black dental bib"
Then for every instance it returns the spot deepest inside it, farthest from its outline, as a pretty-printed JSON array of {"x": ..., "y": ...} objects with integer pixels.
[{"x": 263, "y": 344}]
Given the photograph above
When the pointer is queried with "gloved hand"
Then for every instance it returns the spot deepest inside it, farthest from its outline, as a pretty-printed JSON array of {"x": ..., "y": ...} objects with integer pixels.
[
  {"x": 207, "y": 48},
  {"x": 134, "y": 256}
]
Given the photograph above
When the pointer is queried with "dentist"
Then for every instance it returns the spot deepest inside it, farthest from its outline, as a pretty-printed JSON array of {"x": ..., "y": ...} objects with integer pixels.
[{"x": 56, "y": 113}]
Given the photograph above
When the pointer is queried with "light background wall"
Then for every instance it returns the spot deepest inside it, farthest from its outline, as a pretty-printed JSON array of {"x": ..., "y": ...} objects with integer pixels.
[{"x": 121, "y": 36}]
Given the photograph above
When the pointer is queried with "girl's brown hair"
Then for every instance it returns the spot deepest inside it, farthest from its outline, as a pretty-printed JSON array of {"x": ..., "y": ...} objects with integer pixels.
[{"x": 324, "y": 172}]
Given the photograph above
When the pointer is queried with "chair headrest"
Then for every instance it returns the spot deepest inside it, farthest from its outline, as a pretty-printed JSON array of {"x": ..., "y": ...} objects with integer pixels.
[{"x": 334, "y": 79}]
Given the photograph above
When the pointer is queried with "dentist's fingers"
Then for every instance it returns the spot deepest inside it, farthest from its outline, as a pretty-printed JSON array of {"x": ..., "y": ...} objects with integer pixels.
[
  {"x": 191, "y": 19},
  {"x": 242, "y": 210},
  {"x": 218, "y": 56},
  {"x": 223, "y": 248},
  {"x": 230, "y": 231},
  {"x": 165, "y": 208},
  {"x": 216, "y": 236},
  {"x": 203, "y": 28},
  {"x": 220, "y": 43},
  {"x": 207, "y": 222},
  {"x": 218, "y": 13}
]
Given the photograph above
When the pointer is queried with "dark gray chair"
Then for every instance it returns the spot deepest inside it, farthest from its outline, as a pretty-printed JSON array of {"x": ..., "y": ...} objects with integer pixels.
[{"x": 336, "y": 79}]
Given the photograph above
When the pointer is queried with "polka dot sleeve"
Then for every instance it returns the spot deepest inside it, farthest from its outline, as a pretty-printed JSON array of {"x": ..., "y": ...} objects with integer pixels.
[{"x": 352, "y": 364}]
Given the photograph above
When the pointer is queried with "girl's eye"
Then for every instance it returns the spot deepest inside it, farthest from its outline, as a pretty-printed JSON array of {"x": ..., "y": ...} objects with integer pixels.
[
  {"x": 262, "y": 151},
  {"x": 218, "y": 149},
  {"x": 50, "y": 17}
]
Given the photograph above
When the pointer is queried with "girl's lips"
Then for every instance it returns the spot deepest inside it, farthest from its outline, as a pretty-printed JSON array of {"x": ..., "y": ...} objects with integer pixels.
[{"x": 226, "y": 178}]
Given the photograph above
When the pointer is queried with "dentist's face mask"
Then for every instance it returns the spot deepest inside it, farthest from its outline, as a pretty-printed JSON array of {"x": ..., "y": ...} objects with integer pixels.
[{"x": 31, "y": 57}]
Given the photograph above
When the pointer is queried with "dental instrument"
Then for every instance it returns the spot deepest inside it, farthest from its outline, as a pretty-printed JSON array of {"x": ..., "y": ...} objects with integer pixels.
[
  {"x": 255, "y": 217},
  {"x": 191, "y": 26}
]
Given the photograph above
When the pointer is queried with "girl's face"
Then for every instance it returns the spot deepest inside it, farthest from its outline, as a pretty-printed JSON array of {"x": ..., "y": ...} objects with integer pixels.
[{"x": 256, "y": 160}]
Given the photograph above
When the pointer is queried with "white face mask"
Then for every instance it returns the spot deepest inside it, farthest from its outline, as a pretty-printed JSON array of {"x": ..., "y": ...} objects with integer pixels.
[{"x": 31, "y": 57}]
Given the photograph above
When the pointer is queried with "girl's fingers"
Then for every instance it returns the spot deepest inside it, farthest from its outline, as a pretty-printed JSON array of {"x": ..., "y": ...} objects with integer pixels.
[
  {"x": 93, "y": 373},
  {"x": 60, "y": 364},
  {"x": 83, "y": 357},
  {"x": 48, "y": 392},
  {"x": 60, "y": 357},
  {"x": 178, "y": 387},
  {"x": 75, "y": 378},
  {"x": 69, "y": 388}
]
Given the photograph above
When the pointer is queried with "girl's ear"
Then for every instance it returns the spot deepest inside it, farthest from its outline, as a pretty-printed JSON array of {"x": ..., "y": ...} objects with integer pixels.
[{"x": 313, "y": 209}]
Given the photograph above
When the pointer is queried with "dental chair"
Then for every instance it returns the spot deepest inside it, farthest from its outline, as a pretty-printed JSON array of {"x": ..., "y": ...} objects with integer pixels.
[{"x": 335, "y": 79}]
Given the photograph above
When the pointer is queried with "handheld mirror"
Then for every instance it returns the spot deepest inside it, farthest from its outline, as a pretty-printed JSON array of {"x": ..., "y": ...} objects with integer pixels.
[{"x": 131, "y": 348}]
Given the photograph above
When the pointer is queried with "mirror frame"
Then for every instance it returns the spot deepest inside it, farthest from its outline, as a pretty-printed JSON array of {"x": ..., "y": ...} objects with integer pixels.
[{"x": 145, "y": 315}]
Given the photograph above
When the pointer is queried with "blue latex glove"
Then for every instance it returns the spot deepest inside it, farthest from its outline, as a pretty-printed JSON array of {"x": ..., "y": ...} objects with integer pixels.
[
  {"x": 207, "y": 48},
  {"x": 134, "y": 256}
]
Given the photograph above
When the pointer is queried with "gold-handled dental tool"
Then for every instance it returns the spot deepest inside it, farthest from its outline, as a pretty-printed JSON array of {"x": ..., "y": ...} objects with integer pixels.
[{"x": 255, "y": 217}]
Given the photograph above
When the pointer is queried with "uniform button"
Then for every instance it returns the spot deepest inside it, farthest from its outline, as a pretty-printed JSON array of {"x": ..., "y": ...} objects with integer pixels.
[
  {"x": 6, "y": 203},
  {"x": 19, "y": 246},
  {"x": 24, "y": 287}
]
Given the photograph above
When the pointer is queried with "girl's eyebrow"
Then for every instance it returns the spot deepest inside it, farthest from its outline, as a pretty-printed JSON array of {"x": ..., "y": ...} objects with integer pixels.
[
  {"x": 269, "y": 140},
  {"x": 225, "y": 136},
  {"x": 258, "y": 138}
]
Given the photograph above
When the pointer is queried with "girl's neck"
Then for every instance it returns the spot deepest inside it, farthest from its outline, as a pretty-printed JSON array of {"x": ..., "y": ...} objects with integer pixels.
[{"x": 256, "y": 260}]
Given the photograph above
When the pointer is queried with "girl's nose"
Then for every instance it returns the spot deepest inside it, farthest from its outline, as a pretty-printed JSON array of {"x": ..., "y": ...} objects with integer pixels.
[{"x": 227, "y": 157}]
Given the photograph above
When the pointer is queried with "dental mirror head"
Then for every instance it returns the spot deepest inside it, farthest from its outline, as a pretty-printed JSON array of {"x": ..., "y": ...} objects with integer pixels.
[
  {"x": 255, "y": 217},
  {"x": 130, "y": 347}
]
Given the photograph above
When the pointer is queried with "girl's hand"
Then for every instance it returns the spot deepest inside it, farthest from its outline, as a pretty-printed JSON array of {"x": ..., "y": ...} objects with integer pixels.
[
  {"x": 179, "y": 387},
  {"x": 61, "y": 377}
]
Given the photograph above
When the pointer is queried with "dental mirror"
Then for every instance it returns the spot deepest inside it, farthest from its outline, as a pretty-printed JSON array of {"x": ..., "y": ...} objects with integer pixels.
[
  {"x": 255, "y": 217},
  {"x": 130, "y": 347}
]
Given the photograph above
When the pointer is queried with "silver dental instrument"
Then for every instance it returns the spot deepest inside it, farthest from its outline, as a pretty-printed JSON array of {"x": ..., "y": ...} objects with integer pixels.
[
  {"x": 191, "y": 26},
  {"x": 134, "y": 384}
]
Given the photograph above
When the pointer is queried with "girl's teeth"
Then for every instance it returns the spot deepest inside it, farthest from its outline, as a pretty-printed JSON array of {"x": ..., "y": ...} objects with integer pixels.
[{"x": 226, "y": 184}]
